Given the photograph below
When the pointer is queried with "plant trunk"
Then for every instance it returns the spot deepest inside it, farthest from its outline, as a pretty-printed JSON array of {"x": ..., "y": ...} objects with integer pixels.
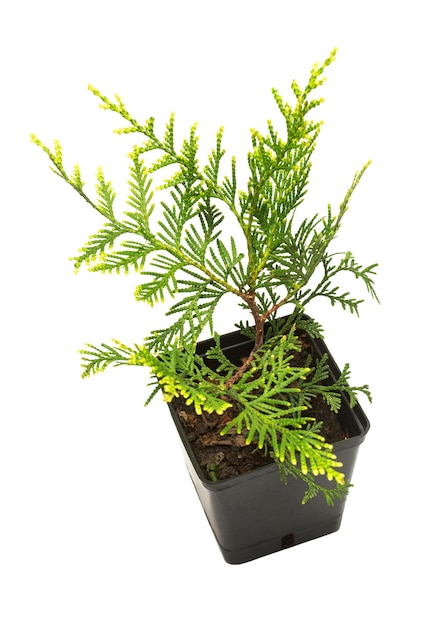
[{"x": 259, "y": 338}]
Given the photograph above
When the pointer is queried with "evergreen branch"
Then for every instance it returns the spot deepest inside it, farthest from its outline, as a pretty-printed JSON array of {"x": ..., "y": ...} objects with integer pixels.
[
  {"x": 106, "y": 196},
  {"x": 195, "y": 309},
  {"x": 222, "y": 363},
  {"x": 74, "y": 179},
  {"x": 333, "y": 391},
  {"x": 288, "y": 439},
  {"x": 269, "y": 394},
  {"x": 197, "y": 240},
  {"x": 227, "y": 263},
  {"x": 271, "y": 155},
  {"x": 229, "y": 186},
  {"x": 343, "y": 384},
  {"x": 212, "y": 169},
  {"x": 325, "y": 288},
  {"x": 183, "y": 374},
  {"x": 140, "y": 198},
  {"x": 286, "y": 469},
  {"x": 92, "y": 253},
  {"x": 131, "y": 255},
  {"x": 95, "y": 360},
  {"x": 165, "y": 281},
  {"x": 178, "y": 372}
]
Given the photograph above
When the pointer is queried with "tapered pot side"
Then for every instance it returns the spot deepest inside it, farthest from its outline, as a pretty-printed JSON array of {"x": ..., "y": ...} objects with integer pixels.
[{"x": 255, "y": 514}]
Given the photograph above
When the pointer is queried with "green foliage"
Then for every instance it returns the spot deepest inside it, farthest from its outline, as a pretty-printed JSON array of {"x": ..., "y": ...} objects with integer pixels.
[
  {"x": 177, "y": 246},
  {"x": 270, "y": 393},
  {"x": 314, "y": 488}
]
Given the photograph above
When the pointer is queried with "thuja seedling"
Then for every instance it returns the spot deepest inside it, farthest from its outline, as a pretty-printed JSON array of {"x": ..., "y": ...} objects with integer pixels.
[{"x": 280, "y": 262}]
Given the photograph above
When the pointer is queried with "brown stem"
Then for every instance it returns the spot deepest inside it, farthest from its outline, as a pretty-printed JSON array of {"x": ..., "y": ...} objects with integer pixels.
[
  {"x": 274, "y": 308},
  {"x": 259, "y": 338}
]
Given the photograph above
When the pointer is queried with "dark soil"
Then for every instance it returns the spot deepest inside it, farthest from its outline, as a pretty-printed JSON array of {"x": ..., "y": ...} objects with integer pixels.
[{"x": 222, "y": 457}]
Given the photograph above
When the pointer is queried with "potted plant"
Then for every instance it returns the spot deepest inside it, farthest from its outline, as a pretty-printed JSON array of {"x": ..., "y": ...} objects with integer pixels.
[{"x": 267, "y": 420}]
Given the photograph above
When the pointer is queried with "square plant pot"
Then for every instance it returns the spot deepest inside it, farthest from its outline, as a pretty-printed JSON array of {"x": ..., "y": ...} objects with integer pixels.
[{"x": 255, "y": 514}]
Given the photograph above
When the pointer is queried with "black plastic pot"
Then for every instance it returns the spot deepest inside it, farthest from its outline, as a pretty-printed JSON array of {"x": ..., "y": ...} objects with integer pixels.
[{"x": 255, "y": 514}]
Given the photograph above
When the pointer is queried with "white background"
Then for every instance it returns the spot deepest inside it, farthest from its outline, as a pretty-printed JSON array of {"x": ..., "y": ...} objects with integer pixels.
[{"x": 99, "y": 522}]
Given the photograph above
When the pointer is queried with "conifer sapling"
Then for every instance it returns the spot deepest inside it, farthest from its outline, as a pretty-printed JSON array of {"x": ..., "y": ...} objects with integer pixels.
[{"x": 278, "y": 264}]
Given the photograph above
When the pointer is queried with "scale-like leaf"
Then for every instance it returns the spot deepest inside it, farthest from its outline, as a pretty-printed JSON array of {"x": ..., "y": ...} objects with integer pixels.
[{"x": 92, "y": 252}]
